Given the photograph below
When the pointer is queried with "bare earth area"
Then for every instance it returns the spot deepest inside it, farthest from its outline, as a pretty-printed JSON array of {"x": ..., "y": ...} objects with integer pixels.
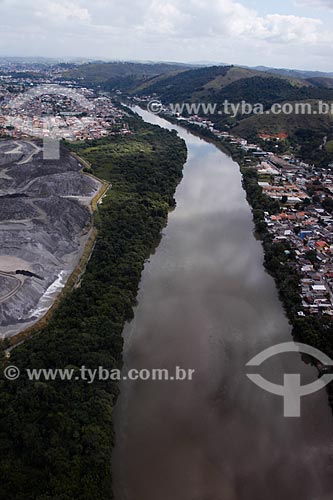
[{"x": 45, "y": 222}]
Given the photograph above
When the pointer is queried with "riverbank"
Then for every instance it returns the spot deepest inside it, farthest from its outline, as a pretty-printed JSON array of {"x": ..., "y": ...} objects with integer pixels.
[
  {"x": 280, "y": 260},
  {"x": 206, "y": 302},
  {"x": 67, "y": 452}
]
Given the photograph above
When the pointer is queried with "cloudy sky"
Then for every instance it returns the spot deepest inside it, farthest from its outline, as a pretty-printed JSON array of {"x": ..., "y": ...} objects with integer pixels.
[{"x": 288, "y": 33}]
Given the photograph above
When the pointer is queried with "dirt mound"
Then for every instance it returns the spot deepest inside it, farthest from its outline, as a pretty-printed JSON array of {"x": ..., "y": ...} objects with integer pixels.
[{"x": 39, "y": 227}]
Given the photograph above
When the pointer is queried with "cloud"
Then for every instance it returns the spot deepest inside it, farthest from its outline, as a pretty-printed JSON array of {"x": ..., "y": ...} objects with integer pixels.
[
  {"x": 174, "y": 18},
  {"x": 315, "y": 3},
  {"x": 165, "y": 17},
  {"x": 61, "y": 11},
  {"x": 192, "y": 18},
  {"x": 225, "y": 30},
  {"x": 292, "y": 28}
]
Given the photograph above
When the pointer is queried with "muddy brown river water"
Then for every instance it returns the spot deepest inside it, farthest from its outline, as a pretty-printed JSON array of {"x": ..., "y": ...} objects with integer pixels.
[{"x": 206, "y": 303}]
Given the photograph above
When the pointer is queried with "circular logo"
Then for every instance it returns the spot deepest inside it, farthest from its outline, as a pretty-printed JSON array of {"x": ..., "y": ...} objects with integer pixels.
[
  {"x": 12, "y": 373},
  {"x": 155, "y": 107}
]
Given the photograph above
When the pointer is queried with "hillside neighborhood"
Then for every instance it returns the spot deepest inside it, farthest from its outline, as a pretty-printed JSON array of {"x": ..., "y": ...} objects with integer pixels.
[{"x": 47, "y": 110}]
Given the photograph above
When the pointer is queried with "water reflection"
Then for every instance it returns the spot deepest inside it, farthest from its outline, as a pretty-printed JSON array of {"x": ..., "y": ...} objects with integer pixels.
[{"x": 205, "y": 302}]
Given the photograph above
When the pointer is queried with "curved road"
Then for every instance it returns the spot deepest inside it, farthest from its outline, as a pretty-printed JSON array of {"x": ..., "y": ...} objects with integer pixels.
[{"x": 12, "y": 292}]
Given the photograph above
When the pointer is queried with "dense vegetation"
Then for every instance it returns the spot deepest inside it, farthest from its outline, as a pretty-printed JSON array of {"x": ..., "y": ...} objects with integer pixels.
[
  {"x": 56, "y": 437},
  {"x": 181, "y": 87},
  {"x": 270, "y": 90},
  {"x": 121, "y": 75},
  {"x": 310, "y": 144},
  {"x": 218, "y": 84},
  {"x": 250, "y": 86}
]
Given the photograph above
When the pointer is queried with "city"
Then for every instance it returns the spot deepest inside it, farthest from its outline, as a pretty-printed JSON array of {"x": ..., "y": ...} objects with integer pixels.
[{"x": 166, "y": 250}]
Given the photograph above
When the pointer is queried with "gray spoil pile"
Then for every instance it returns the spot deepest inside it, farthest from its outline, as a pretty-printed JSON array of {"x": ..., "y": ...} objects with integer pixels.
[
  {"x": 41, "y": 231},
  {"x": 64, "y": 184},
  {"x": 12, "y": 152},
  {"x": 17, "y": 209},
  {"x": 7, "y": 284}
]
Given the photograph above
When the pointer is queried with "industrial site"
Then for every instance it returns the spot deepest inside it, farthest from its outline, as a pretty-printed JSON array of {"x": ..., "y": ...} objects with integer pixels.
[{"x": 45, "y": 222}]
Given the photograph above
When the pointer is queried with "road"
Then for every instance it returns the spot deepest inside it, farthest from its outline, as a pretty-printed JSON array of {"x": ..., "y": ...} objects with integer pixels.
[{"x": 14, "y": 290}]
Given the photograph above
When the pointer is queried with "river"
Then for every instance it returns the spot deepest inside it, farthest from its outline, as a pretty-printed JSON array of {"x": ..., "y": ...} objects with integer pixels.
[{"x": 206, "y": 303}]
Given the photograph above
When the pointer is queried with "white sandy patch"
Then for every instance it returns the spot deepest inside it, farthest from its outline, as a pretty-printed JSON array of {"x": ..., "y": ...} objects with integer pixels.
[{"x": 50, "y": 295}]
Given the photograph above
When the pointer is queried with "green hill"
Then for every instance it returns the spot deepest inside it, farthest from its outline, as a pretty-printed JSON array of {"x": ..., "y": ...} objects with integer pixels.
[
  {"x": 321, "y": 82},
  {"x": 219, "y": 83},
  {"x": 174, "y": 83},
  {"x": 272, "y": 123},
  {"x": 122, "y": 75},
  {"x": 184, "y": 85}
]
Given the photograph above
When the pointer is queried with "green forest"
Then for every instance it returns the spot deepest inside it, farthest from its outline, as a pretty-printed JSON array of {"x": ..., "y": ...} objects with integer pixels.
[{"x": 57, "y": 437}]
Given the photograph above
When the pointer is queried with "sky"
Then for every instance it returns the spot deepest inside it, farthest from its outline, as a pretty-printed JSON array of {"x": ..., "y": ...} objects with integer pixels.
[{"x": 287, "y": 33}]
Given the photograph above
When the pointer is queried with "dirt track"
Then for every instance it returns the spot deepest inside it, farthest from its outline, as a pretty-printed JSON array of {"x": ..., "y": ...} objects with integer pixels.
[{"x": 12, "y": 292}]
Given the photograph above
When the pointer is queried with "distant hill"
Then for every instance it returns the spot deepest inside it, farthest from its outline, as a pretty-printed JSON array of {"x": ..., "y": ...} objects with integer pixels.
[
  {"x": 185, "y": 84},
  {"x": 174, "y": 83},
  {"x": 219, "y": 83},
  {"x": 321, "y": 81},
  {"x": 294, "y": 73},
  {"x": 120, "y": 75},
  {"x": 148, "y": 76},
  {"x": 250, "y": 127}
]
